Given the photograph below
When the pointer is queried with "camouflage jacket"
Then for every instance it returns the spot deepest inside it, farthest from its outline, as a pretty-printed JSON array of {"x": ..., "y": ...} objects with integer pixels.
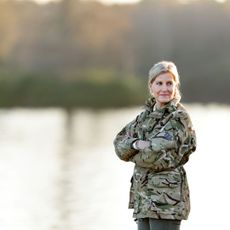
[{"x": 159, "y": 187}]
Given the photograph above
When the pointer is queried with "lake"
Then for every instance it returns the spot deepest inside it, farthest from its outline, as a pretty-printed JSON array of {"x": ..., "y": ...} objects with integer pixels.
[{"x": 59, "y": 171}]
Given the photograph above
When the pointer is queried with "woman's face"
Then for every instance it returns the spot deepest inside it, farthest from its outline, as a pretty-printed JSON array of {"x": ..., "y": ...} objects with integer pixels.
[{"x": 163, "y": 88}]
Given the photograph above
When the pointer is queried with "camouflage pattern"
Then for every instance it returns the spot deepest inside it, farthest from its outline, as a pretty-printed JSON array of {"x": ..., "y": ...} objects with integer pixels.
[{"x": 159, "y": 187}]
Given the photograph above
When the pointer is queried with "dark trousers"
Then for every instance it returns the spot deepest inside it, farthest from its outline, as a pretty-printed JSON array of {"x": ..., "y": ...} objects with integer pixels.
[{"x": 155, "y": 224}]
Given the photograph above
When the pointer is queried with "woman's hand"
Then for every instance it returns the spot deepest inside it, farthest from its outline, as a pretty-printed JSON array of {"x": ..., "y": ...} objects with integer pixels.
[{"x": 140, "y": 145}]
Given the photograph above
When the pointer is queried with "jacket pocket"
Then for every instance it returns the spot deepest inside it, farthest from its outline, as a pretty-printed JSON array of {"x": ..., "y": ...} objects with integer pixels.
[
  {"x": 164, "y": 188},
  {"x": 131, "y": 194}
]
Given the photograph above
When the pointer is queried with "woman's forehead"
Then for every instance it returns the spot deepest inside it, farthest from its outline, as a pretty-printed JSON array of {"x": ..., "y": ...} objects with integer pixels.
[{"x": 166, "y": 76}]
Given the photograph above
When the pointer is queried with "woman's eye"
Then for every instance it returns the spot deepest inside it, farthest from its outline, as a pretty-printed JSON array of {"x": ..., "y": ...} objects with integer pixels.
[
  {"x": 159, "y": 83},
  {"x": 169, "y": 83}
]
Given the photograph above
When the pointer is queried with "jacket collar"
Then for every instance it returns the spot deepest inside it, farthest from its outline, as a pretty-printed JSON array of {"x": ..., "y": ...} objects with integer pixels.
[{"x": 150, "y": 106}]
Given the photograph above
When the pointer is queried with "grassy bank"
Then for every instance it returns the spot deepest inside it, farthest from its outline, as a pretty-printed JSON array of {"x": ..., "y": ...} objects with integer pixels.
[{"x": 94, "y": 92}]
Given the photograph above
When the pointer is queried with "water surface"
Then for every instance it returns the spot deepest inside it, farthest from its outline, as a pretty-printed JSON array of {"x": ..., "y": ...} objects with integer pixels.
[{"x": 58, "y": 170}]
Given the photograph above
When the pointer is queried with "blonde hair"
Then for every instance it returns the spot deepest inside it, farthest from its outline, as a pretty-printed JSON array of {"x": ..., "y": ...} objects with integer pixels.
[{"x": 165, "y": 67}]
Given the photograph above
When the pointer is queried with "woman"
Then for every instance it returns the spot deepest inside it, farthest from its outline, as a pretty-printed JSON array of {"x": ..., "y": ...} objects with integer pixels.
[{"x": 159, "y": 142}]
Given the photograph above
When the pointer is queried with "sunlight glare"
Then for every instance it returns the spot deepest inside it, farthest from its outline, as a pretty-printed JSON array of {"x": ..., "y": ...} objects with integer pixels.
[
  {"x": 220, "y": 1},
  {"x": 45, "y": 1},
  {"x": 110, "y": 2},
  {"x": 106, "y": 2}
]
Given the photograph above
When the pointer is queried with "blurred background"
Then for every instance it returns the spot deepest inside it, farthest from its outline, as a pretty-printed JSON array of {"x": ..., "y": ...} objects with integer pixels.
[{"x": 72, "y": 74}]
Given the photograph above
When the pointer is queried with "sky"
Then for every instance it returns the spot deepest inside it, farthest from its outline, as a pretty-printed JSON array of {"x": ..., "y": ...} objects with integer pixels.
[{"x": 108, "y": 2}]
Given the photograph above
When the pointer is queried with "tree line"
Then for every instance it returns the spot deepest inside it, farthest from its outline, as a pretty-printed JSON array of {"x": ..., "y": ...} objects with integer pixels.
[{"x": 82, "y": 53}]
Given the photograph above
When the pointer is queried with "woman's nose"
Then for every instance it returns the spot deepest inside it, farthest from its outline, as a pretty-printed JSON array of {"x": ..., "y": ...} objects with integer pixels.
[{"x": 164, "y": 87}]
